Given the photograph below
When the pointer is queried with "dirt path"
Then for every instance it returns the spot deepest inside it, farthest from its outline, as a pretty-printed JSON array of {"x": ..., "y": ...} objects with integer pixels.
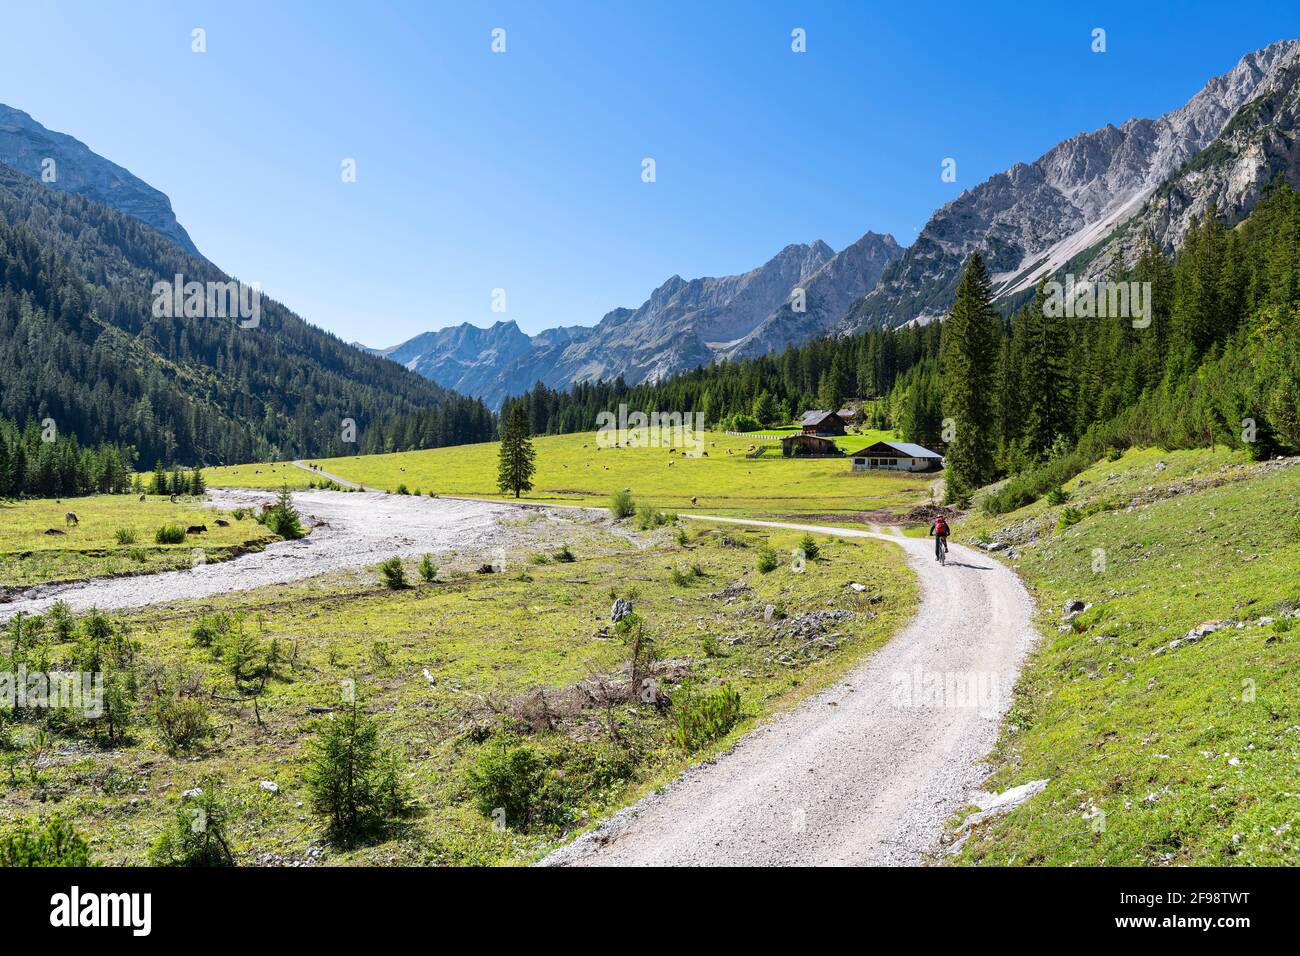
[
  {"x": 361, "y": 529},
  {"x": 866, "y": 772},
  {"x": 325, "y": 474}
]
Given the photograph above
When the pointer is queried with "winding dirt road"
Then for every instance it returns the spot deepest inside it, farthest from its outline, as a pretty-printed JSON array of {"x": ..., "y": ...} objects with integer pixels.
[{"x": 866, "y": 772}]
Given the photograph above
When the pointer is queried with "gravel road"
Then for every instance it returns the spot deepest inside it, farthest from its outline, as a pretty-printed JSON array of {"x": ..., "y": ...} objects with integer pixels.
[
  {"x": 864, "y": 773},
  {"x": 362, "y": 529}
]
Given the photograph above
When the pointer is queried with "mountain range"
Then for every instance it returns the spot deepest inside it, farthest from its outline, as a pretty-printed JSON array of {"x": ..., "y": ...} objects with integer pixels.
[
  {"x": 1084, "y": 206},
  {"x": 68, "y": 165}
]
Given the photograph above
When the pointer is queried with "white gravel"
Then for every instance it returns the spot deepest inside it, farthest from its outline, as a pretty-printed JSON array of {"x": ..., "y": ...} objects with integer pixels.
[
  {"x": 852, "y": 776},
  {"x": 363, "y": 529}
]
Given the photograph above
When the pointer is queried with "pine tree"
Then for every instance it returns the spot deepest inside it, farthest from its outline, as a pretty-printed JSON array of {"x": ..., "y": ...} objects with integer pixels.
[
  {"x": 1049, "y": 408},
  {"x": 968, "y": 363},
  {"x": 515, "y": 472},
  {"x": 158, "y": 484}
]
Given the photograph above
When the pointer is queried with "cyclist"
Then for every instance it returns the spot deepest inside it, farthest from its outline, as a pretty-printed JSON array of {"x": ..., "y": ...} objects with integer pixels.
[{"x": 940, "y": 532}]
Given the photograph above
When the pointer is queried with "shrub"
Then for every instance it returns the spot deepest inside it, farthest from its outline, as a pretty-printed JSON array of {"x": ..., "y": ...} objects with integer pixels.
[
  {"x": 54, "y": 843},
  {"x": 506, "y": 780},
  {"x": 402, "y": 490},
  {"x": 169, "y": 534},
  {"x": 648, "y": 518},
  {"x": 564, "y": 555},
  {"x": 209, "y": 628},
  {"x": 381, "y": 654},
  {"x": 682, "y": 538},
  {"x": 283, "y": 517},
  {"x": 679, "y": 577},
  {"x": 196, "y": 833},
  {"x": 138, "y": 555},
  {"x": 767, "y": 559},
  {"x": 124, "y": 536},
  {"x": 700, "y": 718},
  {"x": 355, "y": 783},
  {"x": 540, "y": 559},
  {"x": 182, "y": 722},
  {"x": 1070, "y": 516},
  {"x": 393, "y": 574},
  {"x": 621, "y": 504},
  {"x": 1057, "y": 496},
  {"x": 428, "y": 570},
  {"x": 808, "y": 545},
  {"x": 243, "y": 653}
]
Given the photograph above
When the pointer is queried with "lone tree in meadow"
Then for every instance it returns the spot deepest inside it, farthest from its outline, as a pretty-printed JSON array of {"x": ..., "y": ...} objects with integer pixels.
[
  {"x": 515, "y": 472},
  {"x": 968, "y": 360}
]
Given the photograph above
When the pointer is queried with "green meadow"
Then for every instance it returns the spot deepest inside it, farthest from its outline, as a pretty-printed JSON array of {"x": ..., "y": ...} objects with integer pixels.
[
  {"x": 454, "y": 669},
  {"x": 573, "y": 469},
  {"x": 114, "y": 536},
  {"x": 1159, "y": 750}
]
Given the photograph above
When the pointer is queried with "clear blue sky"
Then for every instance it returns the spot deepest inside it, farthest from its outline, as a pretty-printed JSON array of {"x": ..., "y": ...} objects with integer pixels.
[{"x": 522, "y": 170}]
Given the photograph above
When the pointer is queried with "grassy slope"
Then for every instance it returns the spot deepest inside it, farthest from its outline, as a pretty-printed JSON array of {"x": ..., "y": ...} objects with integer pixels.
[
  {"x": 1193, "y": 753},
  {"x": 29, "y": 556},
  {"x": 572, "y": 470},
  {"x": 481, "y": 637}
]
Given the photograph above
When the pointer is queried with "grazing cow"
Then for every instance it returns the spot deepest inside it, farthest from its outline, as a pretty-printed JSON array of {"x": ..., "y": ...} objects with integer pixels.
[
  {"x": 53, "y": 531},
  {"x": 142, "y": 497},
  {"x": 705, "y": 454},
  {"x": 692, "y": 501},
  {"x": 223, "y": 523},
  {"x": 671, "y": 463},
  {"x": 196, "y": 529},
  {"x": 70, "y": 519}
]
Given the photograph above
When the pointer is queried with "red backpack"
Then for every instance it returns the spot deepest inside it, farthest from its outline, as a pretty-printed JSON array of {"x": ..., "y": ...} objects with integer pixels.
[{"x": 940, "y": 526}]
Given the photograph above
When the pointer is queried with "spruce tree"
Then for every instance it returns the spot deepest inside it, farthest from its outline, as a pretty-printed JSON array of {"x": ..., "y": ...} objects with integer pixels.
[
  {"x": 968, "y": 363},
  {"x": 515, "y": 472},
  {"x": 1049, "y": 408}
]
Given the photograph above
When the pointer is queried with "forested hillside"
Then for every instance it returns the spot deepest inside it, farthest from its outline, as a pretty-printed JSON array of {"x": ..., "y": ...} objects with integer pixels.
[
  {"x": 1219, "y": 363},
  {"x": 79, "y": 345}
]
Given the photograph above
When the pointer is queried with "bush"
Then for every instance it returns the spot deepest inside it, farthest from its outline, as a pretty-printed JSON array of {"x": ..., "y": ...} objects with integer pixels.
[
  {"x": 1069, "y": 517},
  {"x": 506, "y": 780},
  {"x": 700, "y": 718},
  {"x": 169, "y": 534},
  {"x": 1057, "y": 496},
  {"x": 124, "y": 536},
  {"x": 209, "y": 628},
  {"x": 355, "y": 783},
  {"x": 393, "y": 574},
  {"x": 428, "y": 570},
  {"x": 402, "y": 490},
  {"x": 679, "y": 577},
  {"x": 648, "y": 518},
  {"x": 196, "y": 833},
  {"x": 767, "y": 560},
  {"x": 564, "y": 555},
  {"x": 183, "y": 723},
  {"x": 808, "y": 545},
  {"x": 621, "y": 504},
  {"x": 55, "y": 843}
]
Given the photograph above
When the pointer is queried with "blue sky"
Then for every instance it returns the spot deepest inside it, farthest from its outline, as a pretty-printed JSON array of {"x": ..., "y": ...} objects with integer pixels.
[{"x": 522, "y": 170}]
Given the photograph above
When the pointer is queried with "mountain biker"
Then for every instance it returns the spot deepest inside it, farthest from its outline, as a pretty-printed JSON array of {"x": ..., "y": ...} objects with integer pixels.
[{"x": 940, "y": 532}]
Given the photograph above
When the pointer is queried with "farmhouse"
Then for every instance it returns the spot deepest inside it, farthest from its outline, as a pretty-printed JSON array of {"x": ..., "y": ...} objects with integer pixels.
[
  {"x": 809, "y": 446},
  {"x": 899, "y": 455},
  {"x": 817, "y": 422}
]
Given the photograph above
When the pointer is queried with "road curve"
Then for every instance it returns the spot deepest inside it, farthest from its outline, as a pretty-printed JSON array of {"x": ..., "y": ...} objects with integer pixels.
[{"x": 866, "y": 772}]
